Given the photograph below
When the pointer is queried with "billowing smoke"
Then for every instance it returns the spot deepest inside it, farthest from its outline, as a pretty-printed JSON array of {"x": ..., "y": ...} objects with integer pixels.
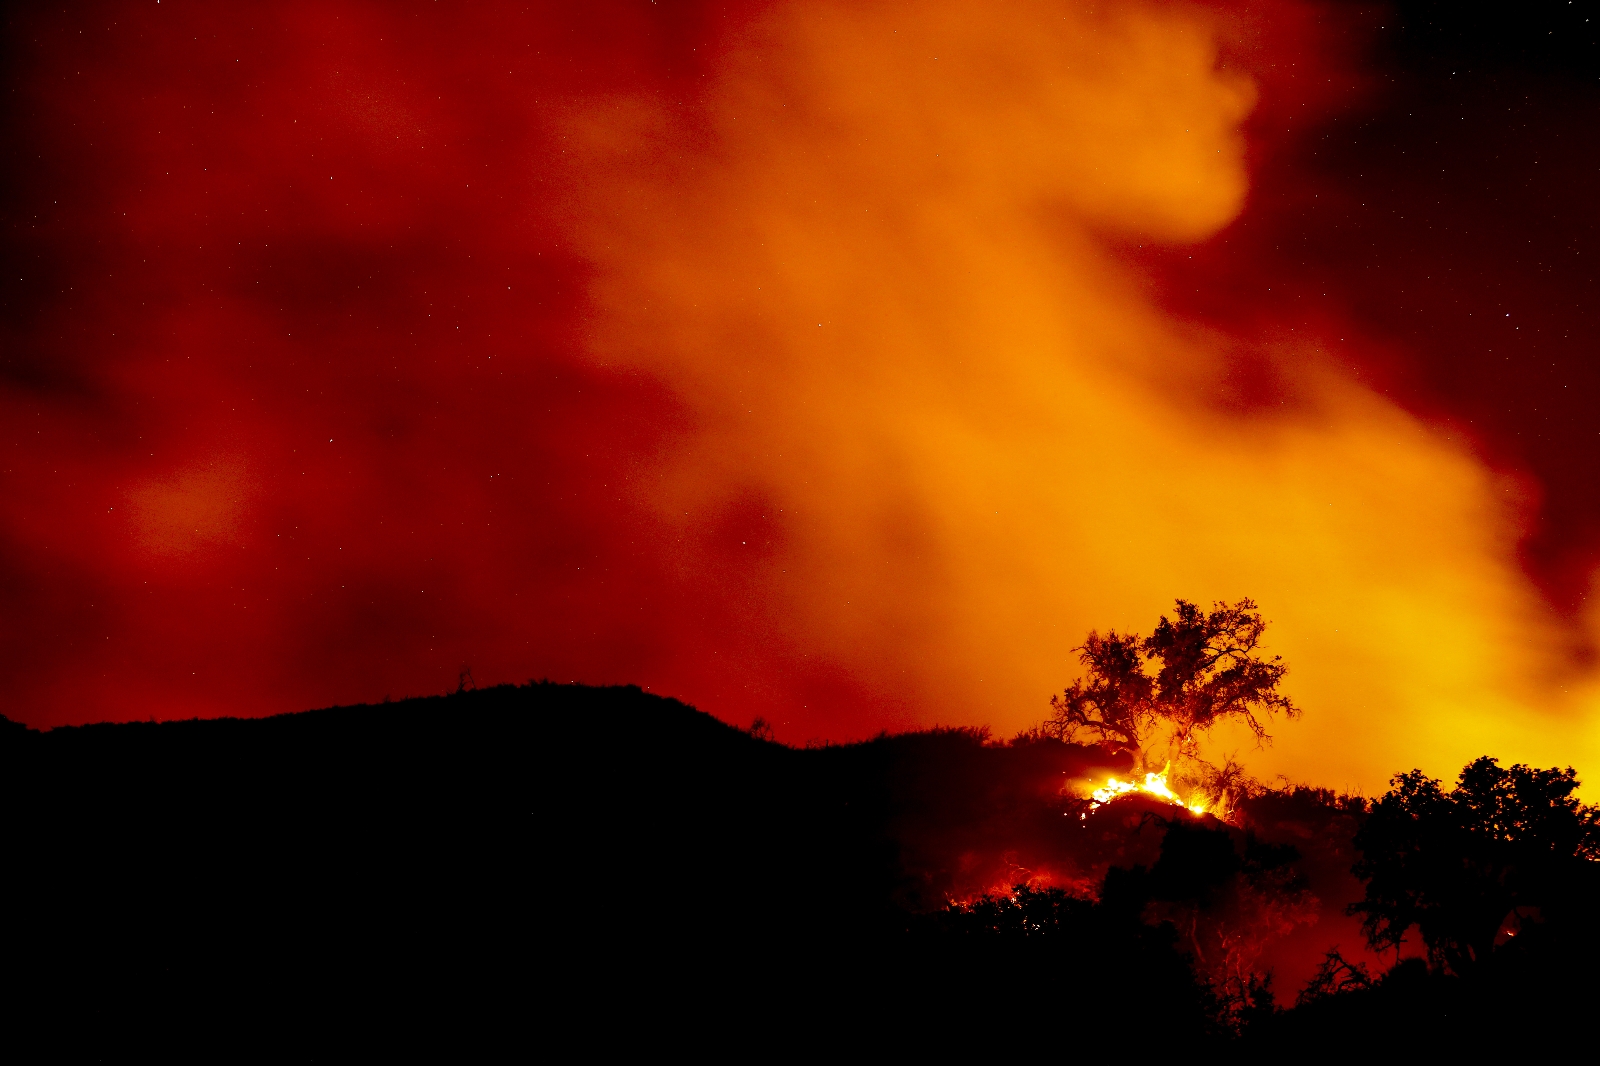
[
  {"x": 957, "y": 432},
  {"x": 795, "y": 362}
]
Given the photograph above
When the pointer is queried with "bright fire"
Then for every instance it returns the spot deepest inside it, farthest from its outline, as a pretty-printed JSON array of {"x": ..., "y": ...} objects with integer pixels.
[{"x": 1152, "y": 785}]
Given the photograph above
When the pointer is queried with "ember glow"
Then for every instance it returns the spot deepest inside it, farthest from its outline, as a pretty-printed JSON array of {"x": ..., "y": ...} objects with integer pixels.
[
  {"x": 1154, "y": 784},
  {"x": 838, "y": 363}
]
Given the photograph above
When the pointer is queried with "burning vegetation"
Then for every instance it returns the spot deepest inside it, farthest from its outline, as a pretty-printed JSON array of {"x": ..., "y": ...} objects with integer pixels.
[
  {"x": 1261, "y": 888},
  {"x": 1155, "y": 699},
  {"x": 1152, "y": 785}
]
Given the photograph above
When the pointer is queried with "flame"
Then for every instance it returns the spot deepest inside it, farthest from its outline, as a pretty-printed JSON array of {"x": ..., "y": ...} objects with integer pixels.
[{"x": 1154, "y": 784}]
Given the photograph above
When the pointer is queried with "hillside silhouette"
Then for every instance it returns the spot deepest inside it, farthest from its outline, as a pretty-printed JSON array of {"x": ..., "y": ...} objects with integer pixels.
[{"x": 472, "y": 871}]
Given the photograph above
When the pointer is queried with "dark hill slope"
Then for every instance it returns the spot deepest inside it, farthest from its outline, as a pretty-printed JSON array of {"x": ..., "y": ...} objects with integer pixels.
[
  {"x": 450, "y": 866},
  {"x": 516, "y": 869}
]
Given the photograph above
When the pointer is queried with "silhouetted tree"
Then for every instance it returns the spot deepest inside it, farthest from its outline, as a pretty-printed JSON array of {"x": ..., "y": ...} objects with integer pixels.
[
  {"x": 1335, "y": 977},
  {"x": 1207, "y": 670},
  {"x": 1458, "y": 866}
]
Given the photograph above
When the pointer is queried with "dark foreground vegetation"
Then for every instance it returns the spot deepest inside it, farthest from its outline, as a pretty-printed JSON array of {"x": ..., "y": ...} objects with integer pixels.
[{"x": 522, "y": 867}]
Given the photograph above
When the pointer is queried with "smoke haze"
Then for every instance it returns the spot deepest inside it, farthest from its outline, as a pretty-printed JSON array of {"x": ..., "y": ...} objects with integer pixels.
[{"x": 797, "y": 360}]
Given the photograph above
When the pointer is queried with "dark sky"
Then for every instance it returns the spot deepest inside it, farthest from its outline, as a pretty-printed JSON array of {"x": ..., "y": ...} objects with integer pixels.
[
  {"x": 291, "y": 398},
  {"x": 1445, "y": 208}
]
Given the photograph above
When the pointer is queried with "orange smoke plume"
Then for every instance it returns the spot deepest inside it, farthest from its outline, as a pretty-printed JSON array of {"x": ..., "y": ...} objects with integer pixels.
[{"x": 887, "y": 279}]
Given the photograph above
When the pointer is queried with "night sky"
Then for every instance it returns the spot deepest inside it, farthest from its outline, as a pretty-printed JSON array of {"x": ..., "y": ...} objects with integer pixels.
[
  {"x": 1440, "y": 207},
  {"x": 841, "y": 364}
]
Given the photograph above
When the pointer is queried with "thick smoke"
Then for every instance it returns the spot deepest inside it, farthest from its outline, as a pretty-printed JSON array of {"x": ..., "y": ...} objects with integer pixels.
[
  {"x": 886, "y": 281},
  {"x": 790, "y": 361}
]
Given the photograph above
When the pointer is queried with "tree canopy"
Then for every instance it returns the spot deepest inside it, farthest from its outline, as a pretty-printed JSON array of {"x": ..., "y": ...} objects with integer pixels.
[
  {"x": 1196, "y": 670},
  {"x": 1468, "y": 866}
]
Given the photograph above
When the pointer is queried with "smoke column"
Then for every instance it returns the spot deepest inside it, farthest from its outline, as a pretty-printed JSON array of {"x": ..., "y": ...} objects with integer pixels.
[{"x": 797, "y": 360}]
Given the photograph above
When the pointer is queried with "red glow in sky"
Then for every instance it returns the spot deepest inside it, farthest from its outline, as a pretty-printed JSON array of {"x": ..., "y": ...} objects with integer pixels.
[{"x": 350, "y": 346}]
